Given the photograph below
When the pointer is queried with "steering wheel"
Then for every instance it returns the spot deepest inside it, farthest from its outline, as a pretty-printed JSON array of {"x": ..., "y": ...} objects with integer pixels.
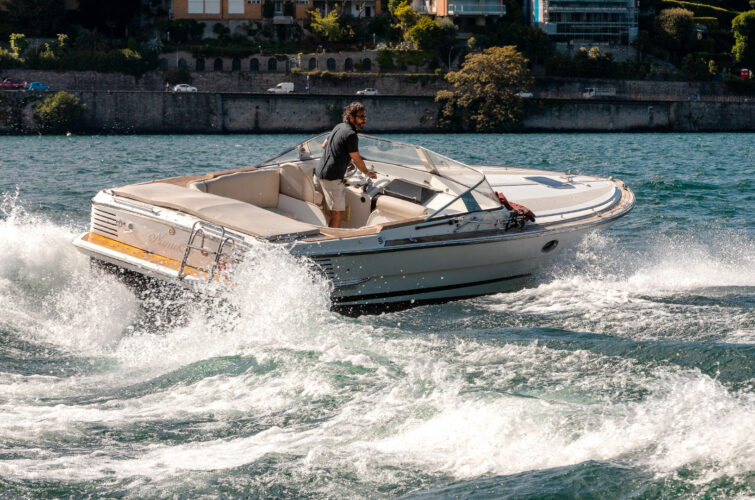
[{"x": 351, "y": 171}]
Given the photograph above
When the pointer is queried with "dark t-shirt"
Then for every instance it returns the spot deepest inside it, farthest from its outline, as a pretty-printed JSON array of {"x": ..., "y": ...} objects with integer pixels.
[{"x": 335, "y": 159}]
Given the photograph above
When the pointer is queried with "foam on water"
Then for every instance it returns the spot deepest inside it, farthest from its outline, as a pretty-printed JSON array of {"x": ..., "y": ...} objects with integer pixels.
[
  {"x": 265, "y": 370},
  {"x": 648, "y": 294},
  {"x": 428, "y": 418},
  {"x": 49, "y": 292}
]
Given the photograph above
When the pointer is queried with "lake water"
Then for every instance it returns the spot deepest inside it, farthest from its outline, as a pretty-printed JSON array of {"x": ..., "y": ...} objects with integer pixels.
[{"x": 625, "y": 370}]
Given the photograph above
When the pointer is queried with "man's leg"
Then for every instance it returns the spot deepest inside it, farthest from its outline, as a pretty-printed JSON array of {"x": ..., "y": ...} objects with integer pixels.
[
  {"x": 335, "y": 218},
  {"x": 335, "y": 200}
]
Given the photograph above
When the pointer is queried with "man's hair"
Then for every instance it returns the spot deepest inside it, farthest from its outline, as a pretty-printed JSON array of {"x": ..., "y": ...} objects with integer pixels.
[{"x": 351, "y": 110}]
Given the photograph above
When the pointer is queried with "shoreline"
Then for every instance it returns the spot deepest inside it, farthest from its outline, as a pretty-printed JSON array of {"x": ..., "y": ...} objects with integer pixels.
[{"x": 168, "y": 113}]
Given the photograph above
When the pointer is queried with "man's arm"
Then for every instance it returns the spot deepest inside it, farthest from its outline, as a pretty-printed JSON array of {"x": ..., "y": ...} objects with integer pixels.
[{"x": 359, "y": 162}]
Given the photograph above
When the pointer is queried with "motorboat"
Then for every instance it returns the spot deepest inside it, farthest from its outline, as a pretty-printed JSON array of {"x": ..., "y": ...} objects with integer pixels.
[{"x": 427, "y": 229}]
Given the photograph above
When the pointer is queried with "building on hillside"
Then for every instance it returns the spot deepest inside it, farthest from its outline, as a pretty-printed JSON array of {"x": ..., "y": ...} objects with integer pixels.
[
  {"x": 67, "y": 4},
  {"x": 236, "y": 12},
  {"x": 463, "y": 11},
  {"x": 608, "y": 24}
]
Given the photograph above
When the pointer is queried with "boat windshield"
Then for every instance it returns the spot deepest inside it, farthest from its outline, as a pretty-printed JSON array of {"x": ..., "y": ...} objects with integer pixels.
[{"x": 477, "y": 196}]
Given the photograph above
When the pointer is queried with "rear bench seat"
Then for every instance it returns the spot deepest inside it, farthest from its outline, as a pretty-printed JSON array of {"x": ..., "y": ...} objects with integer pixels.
[
  {"x": 233, "y": 214},
  {"x": 288, "y": 191}
]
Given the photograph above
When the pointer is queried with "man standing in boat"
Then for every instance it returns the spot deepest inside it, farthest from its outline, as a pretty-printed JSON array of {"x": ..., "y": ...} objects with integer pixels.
[{"x": 341, "y": 148}]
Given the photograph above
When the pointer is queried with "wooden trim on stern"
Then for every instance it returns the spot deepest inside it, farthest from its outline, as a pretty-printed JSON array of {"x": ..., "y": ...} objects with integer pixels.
[{"x": 140, "y": 254}]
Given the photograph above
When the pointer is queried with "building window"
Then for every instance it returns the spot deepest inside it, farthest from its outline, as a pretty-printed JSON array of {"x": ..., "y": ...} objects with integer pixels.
[
  {"x": 236, "y": 64},
  {"x": 366, "y": 65},
  {"x": 254, "y": 65},
  {"x": 218, "y": 66},
  {"x": 200, "y": 64},
  {"x": 182, "y": 63},
  {"x": 272, "y": 64},
  {"x": 278, "y": 7},
  {"x": 302, "y": 2},
  {"x": 253, "y": 2},
  {"x": 212, "y": 6},
  {"x": 348, "y": 64},
  {"x": 331, "y": 64},
  {"x": 235, "y": 6},
  {"x": 312, "y": 63}
]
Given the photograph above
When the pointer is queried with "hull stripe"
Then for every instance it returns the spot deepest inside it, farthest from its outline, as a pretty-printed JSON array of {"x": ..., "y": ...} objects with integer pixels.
[{"x": 416, "y": 291}]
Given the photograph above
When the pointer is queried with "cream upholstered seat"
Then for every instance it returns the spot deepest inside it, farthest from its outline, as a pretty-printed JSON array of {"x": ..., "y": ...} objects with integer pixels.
[
  {"x": 297, "y": 184},
  {"x": 286, "y": 191},
  {"x": 390, "y": 209},
  {"x": 228, "y": 212},
  {"x": 258, "y": 187}
]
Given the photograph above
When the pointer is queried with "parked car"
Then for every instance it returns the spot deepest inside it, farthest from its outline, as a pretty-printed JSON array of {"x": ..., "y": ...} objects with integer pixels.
[
  {"x": 39, "y": 86},
  {"x": 282, "y": 88},
  {"x": 11, "y": 84},
  {"x": 525, "y": 95},
  {"x": 184, "y": 87},
  {"x": 367, "y": 92}
]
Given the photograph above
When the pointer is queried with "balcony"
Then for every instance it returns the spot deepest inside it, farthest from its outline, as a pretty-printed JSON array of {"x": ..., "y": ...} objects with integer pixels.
[{"x": 476, "y": 8}]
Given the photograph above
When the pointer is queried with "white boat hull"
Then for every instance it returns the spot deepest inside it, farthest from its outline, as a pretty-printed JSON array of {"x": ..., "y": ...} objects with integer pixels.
[{"x": 376, "y": 274}]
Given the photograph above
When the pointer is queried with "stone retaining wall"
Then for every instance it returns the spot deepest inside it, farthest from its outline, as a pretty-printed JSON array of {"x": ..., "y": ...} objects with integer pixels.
[{"x": 205, "y": 112}]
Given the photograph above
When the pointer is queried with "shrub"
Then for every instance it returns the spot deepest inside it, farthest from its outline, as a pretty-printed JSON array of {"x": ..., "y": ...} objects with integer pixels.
[
  {"x": 179, "y": 74},
  {"x": 59, "y": 113},
  {"x": 8, "y": 59},
  {"x": 724, "y": 16},
  {"x": 743, "y": 28},
  {"x": 385, "y": 61},
  {"x": 426, "y": 34},
  {"x": 18, "y": 44}
]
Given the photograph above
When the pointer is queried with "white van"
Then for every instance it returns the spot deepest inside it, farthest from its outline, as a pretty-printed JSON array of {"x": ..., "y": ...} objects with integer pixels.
[
  {"x": 282, "y": 88},
  {"x": 597, "y": 92}
]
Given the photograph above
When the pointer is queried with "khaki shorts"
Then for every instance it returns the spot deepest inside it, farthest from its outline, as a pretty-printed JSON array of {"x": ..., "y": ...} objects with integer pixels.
[{"x": 334, "y": 193}]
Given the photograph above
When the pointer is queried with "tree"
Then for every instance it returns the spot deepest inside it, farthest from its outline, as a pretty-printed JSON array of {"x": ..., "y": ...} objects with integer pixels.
[
  {"x": 486, "y": 88},
  {"x": 426, "y": 34},
  {"x": 223, "y": 32},
  {"x": 329, "y": 26},
  {"x": 447, "y": 38},
  {"x": 534, "y": 44},
  {"x": 696, "y": 68},
  {"x": 393, "y": 5},
  {"x": 18, "y": 43},
  {"x": 407, "y": 17},
  {"x": 90, "y": 40},
  {"x": 676, "y": 29},
  {"x": 59, "y": 113},
  {"x": 743, "y": 28}
]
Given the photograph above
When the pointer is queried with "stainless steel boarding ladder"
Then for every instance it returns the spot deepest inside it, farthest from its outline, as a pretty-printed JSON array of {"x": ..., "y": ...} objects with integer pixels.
[{"x": 203, "y": 228}]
